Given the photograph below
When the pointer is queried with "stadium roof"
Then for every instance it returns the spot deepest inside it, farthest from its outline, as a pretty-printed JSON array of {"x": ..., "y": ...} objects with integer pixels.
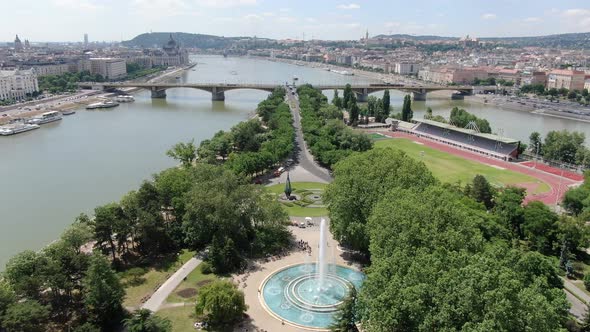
[{"x": 492, "y": 137}]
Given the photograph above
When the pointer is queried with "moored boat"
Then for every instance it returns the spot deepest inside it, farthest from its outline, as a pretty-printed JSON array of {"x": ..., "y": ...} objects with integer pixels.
[
  {"x": 17, "y": 128},
  {"x": 46, "y": 117},
  {"x": 102, "y": 104},
  {"x": 124, "y": 99},
  {"x": 68, "y": 112}
]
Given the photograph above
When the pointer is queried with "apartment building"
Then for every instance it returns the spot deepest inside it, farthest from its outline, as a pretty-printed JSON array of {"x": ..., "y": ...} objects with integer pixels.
[
  {"x": 16, "y": 84},
  {"x": 109, "y": 68},
  {"x": 569, "y": 79}
]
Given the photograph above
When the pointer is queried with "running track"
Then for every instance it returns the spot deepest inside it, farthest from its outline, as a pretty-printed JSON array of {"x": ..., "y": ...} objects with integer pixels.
[{"x": 552, "y": 180}]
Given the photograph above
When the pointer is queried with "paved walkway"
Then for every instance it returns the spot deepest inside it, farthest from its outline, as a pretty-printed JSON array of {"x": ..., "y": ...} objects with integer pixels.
[
  {"x": 578, "y": 308},
  {"x": 159, "y": 297},
  {"x": 304, "y": 159}
]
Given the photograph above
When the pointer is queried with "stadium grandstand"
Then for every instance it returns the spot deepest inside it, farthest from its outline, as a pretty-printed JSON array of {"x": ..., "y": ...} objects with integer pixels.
[{"x": 468, "y": 139}]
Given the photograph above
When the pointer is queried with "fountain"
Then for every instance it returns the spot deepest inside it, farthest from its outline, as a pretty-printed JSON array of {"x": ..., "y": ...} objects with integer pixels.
[{"x": 307, "y": 295}]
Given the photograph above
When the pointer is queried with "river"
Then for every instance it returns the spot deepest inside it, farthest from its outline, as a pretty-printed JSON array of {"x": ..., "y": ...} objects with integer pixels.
[{"x": 51, "y": 175}]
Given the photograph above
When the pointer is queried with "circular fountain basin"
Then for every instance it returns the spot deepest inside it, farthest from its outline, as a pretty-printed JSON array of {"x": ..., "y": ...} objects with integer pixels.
[{"x": 295, "y": 294}]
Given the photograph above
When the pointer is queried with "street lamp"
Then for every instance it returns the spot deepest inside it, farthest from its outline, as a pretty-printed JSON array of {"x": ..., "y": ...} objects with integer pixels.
[{"x": 537, "y": 155}]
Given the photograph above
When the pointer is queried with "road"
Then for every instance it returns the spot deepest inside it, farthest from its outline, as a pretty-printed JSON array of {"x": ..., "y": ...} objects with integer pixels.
[
  {"x": 576, "y": 297},
  {"x": 304, "y": 159},
  {"x": 157, "y": 299}
]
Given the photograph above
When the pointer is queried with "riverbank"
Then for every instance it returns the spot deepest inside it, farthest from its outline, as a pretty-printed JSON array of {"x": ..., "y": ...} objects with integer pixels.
[
  {"x": 491, "y": 100},
  {"x": 77, "y": 100}
]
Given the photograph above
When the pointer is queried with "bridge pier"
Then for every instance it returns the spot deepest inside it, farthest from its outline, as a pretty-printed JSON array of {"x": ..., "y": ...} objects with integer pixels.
[
  {"x": 158, "y": 93},
  {"x": 217, "y": 94},
  {"x": 460, "y": 95},
  {"x": 362, "y": 95},
  {"x": 418, "y": 96}
]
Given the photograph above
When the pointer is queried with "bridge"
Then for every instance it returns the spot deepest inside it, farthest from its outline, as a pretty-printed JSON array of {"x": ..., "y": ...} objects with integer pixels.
[{"x": 217, "y": 90}]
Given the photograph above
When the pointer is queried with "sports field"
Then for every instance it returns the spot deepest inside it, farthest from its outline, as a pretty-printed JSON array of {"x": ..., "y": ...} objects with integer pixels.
[{"x": 450, "y": 168}]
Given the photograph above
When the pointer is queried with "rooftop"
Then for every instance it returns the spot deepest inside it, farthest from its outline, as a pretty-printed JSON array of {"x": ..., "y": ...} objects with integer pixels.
[{"x": 492, "y": 137}]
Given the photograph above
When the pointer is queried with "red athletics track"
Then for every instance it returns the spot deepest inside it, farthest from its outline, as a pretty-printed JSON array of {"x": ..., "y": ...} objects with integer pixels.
[{"x": 552, "y": 180}]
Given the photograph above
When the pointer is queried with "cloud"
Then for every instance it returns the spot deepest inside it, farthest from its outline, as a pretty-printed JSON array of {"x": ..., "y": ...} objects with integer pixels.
[
  {"x": 252, "y": 18},
  {"x": 348, "y": 6},
  {"x": 286, "y": 19},
  {"x": 284, "y": 10},
  {"x": 268, "y": 14},
  {"x": 488, "y": 16},
  {"x": 77, "y": 4},
  {"x": 156, "y": 9},
  {"x": 576, "y": 19},
  {"x": 533, "y": 20},
  {"x": 225, "y": 3},
  {"x": 392, "y": 24},
  {"x": 311, "y": 20},
  {"x": 576, "y": 12}
]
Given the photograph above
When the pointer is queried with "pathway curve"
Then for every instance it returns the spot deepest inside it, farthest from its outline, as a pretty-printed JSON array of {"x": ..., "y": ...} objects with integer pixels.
[{"x": 157, "y": 299}]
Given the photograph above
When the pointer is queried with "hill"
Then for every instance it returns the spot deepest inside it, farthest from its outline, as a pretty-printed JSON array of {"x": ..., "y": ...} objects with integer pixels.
[
  {"x": 157, "y": 39},
  {"x": 566, "y": 40}
]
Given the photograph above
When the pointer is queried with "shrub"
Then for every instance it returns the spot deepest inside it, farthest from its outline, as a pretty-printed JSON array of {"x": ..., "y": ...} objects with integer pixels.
[{"x": 206, "y": 268}]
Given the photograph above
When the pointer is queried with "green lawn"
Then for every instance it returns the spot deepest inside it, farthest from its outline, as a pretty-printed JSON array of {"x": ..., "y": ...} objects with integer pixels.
[
  {"x": 195, "y": 280},
  {"x": 182, "y": 318},
  {"x": 304, "y": 207},
  {"x": 452, "y": 169},
  {"x": 153, "y": 278}
]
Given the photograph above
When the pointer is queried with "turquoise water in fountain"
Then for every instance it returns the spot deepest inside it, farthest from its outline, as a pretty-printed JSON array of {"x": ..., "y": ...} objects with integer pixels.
[{"x": 295, "y": 294}]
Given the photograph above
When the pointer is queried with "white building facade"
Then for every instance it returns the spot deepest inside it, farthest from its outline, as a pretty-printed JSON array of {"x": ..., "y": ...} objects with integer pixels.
[
  {"x": 109, "y": 68},
  {"x": 406, "y": 68},
  {"x": 16, "y": 84}
]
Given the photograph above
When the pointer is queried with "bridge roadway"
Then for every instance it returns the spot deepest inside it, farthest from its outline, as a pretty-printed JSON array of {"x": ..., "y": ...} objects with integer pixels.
[{"x": 217, "y": 90}]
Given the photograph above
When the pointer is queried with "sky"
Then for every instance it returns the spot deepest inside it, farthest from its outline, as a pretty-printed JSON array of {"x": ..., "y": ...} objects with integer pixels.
[{"x": 113, "y": 20}]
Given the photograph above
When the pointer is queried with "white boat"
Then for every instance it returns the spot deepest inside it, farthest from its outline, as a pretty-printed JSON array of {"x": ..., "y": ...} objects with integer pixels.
[
  {"x": 124, "y": 99},
  {"x": 17, "y": 128},
  {"x": 46, "y": 117},
  {"x": 68, "y": 112},
  {"x": 102, "y": 104}
]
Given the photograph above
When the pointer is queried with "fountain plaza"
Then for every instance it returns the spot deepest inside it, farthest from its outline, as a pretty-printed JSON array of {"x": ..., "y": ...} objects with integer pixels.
[{"x": 299, "y": 292}]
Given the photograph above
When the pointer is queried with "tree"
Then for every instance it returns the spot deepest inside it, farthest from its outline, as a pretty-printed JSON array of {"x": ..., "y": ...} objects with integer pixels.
[
  {"x": 509, "y": 208},
  {"x": 108, "y": 219},
  {"x": 25, "y": 274},
  {"x": 103, "y": 293},
  {"x": 345, "y": 318},
  {"x": 348, "y": 94},
  {"x": 482, "y": 191},
  {"x": 428, "y": 114},
  {"x": 26, "y": 316},
  {"x": 336, "y": 100},
  {"x": 353, "y": 111},
  {"x": 371, "y": 105},
  {"x": 221, "y": 302},
  {"x": 563, "y": 146},
  {"x": 144, "y": 321},
  {"x": 223, "y": 255},
  {"x": 87, "y": 327},
  {"x": 433, "y": 270},
  {"x": 360, "y": 181},
  {"x": 186, "y": 153},
  {"x": 407, "y": 113},
  {"x": 585, "y": 93},
  {"x": 540, "y": 227},
  {"x": 535, "y": 143},
  {"x": 386, "y": 103},
  {"x": 7, "y": 298}
]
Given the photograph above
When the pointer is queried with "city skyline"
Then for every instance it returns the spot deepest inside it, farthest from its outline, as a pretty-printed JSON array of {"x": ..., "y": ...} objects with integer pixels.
[{"x": 288, "y": 19}]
